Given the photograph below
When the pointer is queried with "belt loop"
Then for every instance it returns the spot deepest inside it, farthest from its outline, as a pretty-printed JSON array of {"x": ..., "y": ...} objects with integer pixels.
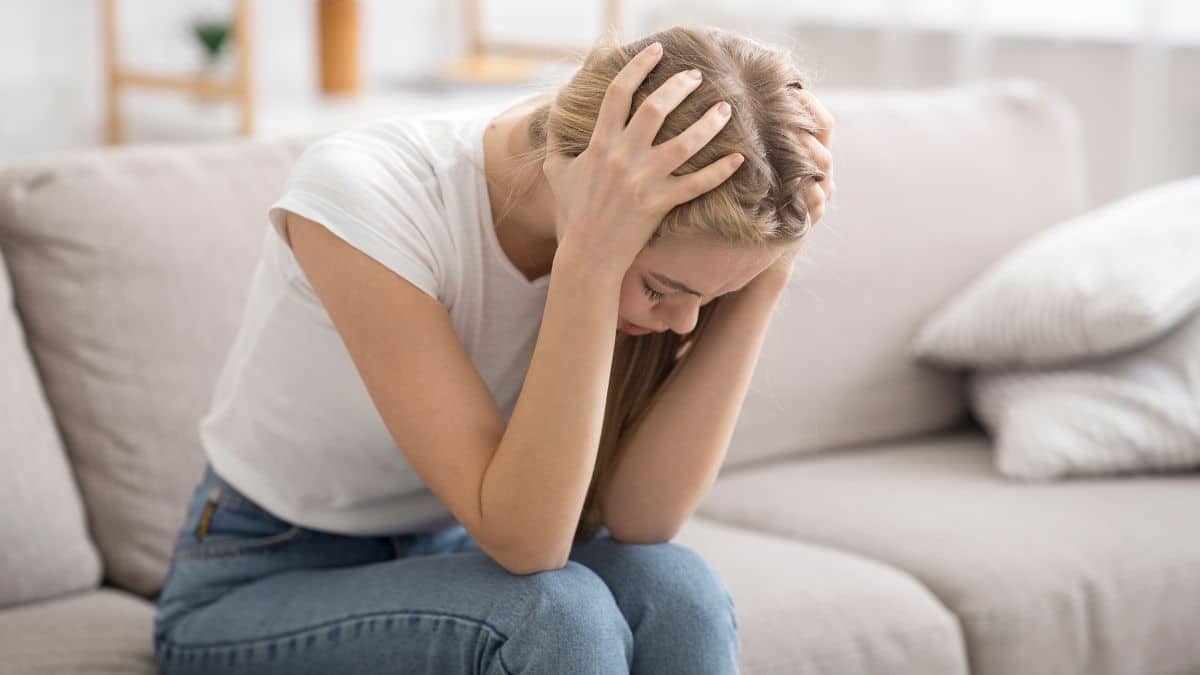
[{"x": 206, "y": 516}]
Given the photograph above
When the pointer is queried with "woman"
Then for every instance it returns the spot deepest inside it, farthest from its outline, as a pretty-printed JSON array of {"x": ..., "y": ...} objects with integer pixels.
[{"x": 426, "y": 451}]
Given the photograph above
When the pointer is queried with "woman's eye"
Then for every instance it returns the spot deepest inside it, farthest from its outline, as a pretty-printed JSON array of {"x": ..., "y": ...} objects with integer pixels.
[{"x": 651, "y": 293}]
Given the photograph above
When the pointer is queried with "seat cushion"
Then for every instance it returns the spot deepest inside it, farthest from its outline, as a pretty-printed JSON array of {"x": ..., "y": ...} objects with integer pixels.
[
  {"x": 1085, "y": 576},
  {"x": 806, "y": 609},
  {"x": 100, "y": 631},
  {"x": 45, "y": 549}
]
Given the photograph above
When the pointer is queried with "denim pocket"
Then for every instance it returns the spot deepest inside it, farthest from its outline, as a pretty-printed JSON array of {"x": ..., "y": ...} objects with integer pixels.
[{"x": 231, "y": 524}]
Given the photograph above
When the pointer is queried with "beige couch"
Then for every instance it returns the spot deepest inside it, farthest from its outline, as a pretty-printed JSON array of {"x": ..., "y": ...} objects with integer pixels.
[{"x": 858, "y": 521}]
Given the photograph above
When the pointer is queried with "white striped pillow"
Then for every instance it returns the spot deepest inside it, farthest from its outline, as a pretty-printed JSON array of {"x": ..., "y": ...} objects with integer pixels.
[
  {"x": 1096, "y": 284},
  {"x": 1135, "y": 412}
]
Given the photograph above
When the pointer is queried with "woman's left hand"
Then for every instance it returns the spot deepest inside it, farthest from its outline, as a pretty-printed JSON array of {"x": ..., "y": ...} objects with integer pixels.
[
  {"x": 816, "y": 192},
  {"x": 820, "y": 190}
]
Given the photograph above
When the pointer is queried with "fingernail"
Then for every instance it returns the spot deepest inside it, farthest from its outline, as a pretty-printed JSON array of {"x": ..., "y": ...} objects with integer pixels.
[
  {"x": 723, "y": 108},
  {"x": 656, "y": 48},
  {"x": 694, "y": 74},
  {"x": 737, "y": 161}
]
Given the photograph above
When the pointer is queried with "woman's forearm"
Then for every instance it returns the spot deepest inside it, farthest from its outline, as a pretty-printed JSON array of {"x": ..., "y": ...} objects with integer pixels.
[
  {"x": 673, "y": 457},
  {"x": 535, "y": 486}
]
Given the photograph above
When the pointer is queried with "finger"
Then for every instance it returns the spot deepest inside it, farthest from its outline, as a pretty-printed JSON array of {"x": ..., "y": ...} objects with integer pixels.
[
  {"x": 814, "y": 197},
  {"x": 654, "y": 109},
  {"x": 824, "y": 119},
  {"x": 822, "y": 158},
  {"x": 820, "y": 154},
  {"x": 826, "y": 188},
  {"x": 684, "y": 188},
  {"x": 669, "y": 155},
  {"x": 614, "y": 109}
]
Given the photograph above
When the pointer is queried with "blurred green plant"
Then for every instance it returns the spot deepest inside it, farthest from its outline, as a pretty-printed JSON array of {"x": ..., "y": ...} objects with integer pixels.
[{"x": 213, "y": 34}]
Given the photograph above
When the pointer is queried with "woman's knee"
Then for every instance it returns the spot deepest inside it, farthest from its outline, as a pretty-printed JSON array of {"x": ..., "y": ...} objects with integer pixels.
[
  {"x": 575, "y": 597},
  {"x": 572, "y": 609},
  {"x": 678, "y": 577}
]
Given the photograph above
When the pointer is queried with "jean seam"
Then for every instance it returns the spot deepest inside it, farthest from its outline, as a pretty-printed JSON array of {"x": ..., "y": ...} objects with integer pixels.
[
  {"x": 500, "y": 658},
  {"x": 175, "y": 646}
]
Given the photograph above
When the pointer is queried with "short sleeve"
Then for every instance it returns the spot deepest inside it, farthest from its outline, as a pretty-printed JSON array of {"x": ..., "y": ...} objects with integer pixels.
[{"x": 370, "y": 197}]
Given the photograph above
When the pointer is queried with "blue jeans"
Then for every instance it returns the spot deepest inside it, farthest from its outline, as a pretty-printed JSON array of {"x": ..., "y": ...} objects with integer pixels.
[{"x": 257, "y": 594}]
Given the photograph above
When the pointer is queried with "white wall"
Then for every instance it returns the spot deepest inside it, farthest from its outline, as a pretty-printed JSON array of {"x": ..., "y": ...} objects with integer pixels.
[{"x": 51, "y": 65}]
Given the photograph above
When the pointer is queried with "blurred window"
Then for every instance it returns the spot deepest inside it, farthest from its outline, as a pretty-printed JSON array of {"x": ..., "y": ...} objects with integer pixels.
[{"x": 1171, "y": 21}]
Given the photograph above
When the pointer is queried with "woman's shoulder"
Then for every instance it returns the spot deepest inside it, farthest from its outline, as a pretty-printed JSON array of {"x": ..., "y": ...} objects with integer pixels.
[
  {"x": 416, "y": 140},
  {"x": 387, "y": 144}
]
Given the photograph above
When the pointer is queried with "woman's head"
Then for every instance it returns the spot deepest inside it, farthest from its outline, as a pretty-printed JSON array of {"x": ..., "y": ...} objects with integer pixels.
[
  {"x": 754, "y": 214},
  {"x": 762, "y": 203},
  {"x": 670, "y": 281},
  {"x": 715, "y": 243}
]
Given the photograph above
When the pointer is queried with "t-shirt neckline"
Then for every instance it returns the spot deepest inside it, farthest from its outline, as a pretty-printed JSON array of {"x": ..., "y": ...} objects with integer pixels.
[{"x": 485, "y": 201}]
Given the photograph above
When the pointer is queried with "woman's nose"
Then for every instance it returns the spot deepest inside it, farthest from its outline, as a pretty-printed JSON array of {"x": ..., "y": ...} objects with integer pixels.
[{"x": 683, "y": 316}]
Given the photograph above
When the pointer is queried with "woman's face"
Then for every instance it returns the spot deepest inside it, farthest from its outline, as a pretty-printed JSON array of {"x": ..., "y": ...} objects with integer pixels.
[{"x": 650, "y": 302}]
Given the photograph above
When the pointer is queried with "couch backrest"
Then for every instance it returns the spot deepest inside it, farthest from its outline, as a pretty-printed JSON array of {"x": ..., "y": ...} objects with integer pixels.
[
  {"x": 130, "y": 268},
  {"x": 932, "y": 186},
  {"x": 45, "y": 548}
]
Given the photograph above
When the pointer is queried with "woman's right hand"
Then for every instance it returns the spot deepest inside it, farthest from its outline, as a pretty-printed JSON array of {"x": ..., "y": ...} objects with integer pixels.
[{"x": 610, "y": 198}]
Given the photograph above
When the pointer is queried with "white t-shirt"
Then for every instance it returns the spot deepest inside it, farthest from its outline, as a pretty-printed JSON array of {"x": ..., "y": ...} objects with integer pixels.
[{"x": 291, "y": 423}]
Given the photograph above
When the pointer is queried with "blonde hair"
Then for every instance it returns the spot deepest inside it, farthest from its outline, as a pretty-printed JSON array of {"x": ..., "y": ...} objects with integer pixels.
[{"x": 761, "y": 204}]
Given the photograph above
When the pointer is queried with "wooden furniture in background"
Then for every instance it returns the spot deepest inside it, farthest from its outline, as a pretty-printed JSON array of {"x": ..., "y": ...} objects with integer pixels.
[
  {"x": 489, "y": 60},
  {"x": 239, "y": 88},
  {"x": 338, "y": 46}
]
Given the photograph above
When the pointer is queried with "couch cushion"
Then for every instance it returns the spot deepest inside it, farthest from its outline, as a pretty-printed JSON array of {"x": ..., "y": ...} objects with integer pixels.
[
  {"x": 101, "y": 631},
  {"x": 130, "y": 268},
  {"x": 806, "y": 609},
  {"x": 933, "y": 186},
  {"x": 45, "y": 549},
  {"x": 1086, "y": 576}
]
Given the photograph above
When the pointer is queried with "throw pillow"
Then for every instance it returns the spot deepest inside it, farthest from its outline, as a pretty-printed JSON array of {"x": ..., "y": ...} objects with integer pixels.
[
  {"x": 1093, "y": 285},
  {"x": 1134, "y": 412}
]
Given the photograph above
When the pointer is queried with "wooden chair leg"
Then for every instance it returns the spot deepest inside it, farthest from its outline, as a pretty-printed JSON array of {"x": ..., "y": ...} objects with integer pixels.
[
  {"x": 113, "y": 123},
  {"x": 245, "y": 80}
]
